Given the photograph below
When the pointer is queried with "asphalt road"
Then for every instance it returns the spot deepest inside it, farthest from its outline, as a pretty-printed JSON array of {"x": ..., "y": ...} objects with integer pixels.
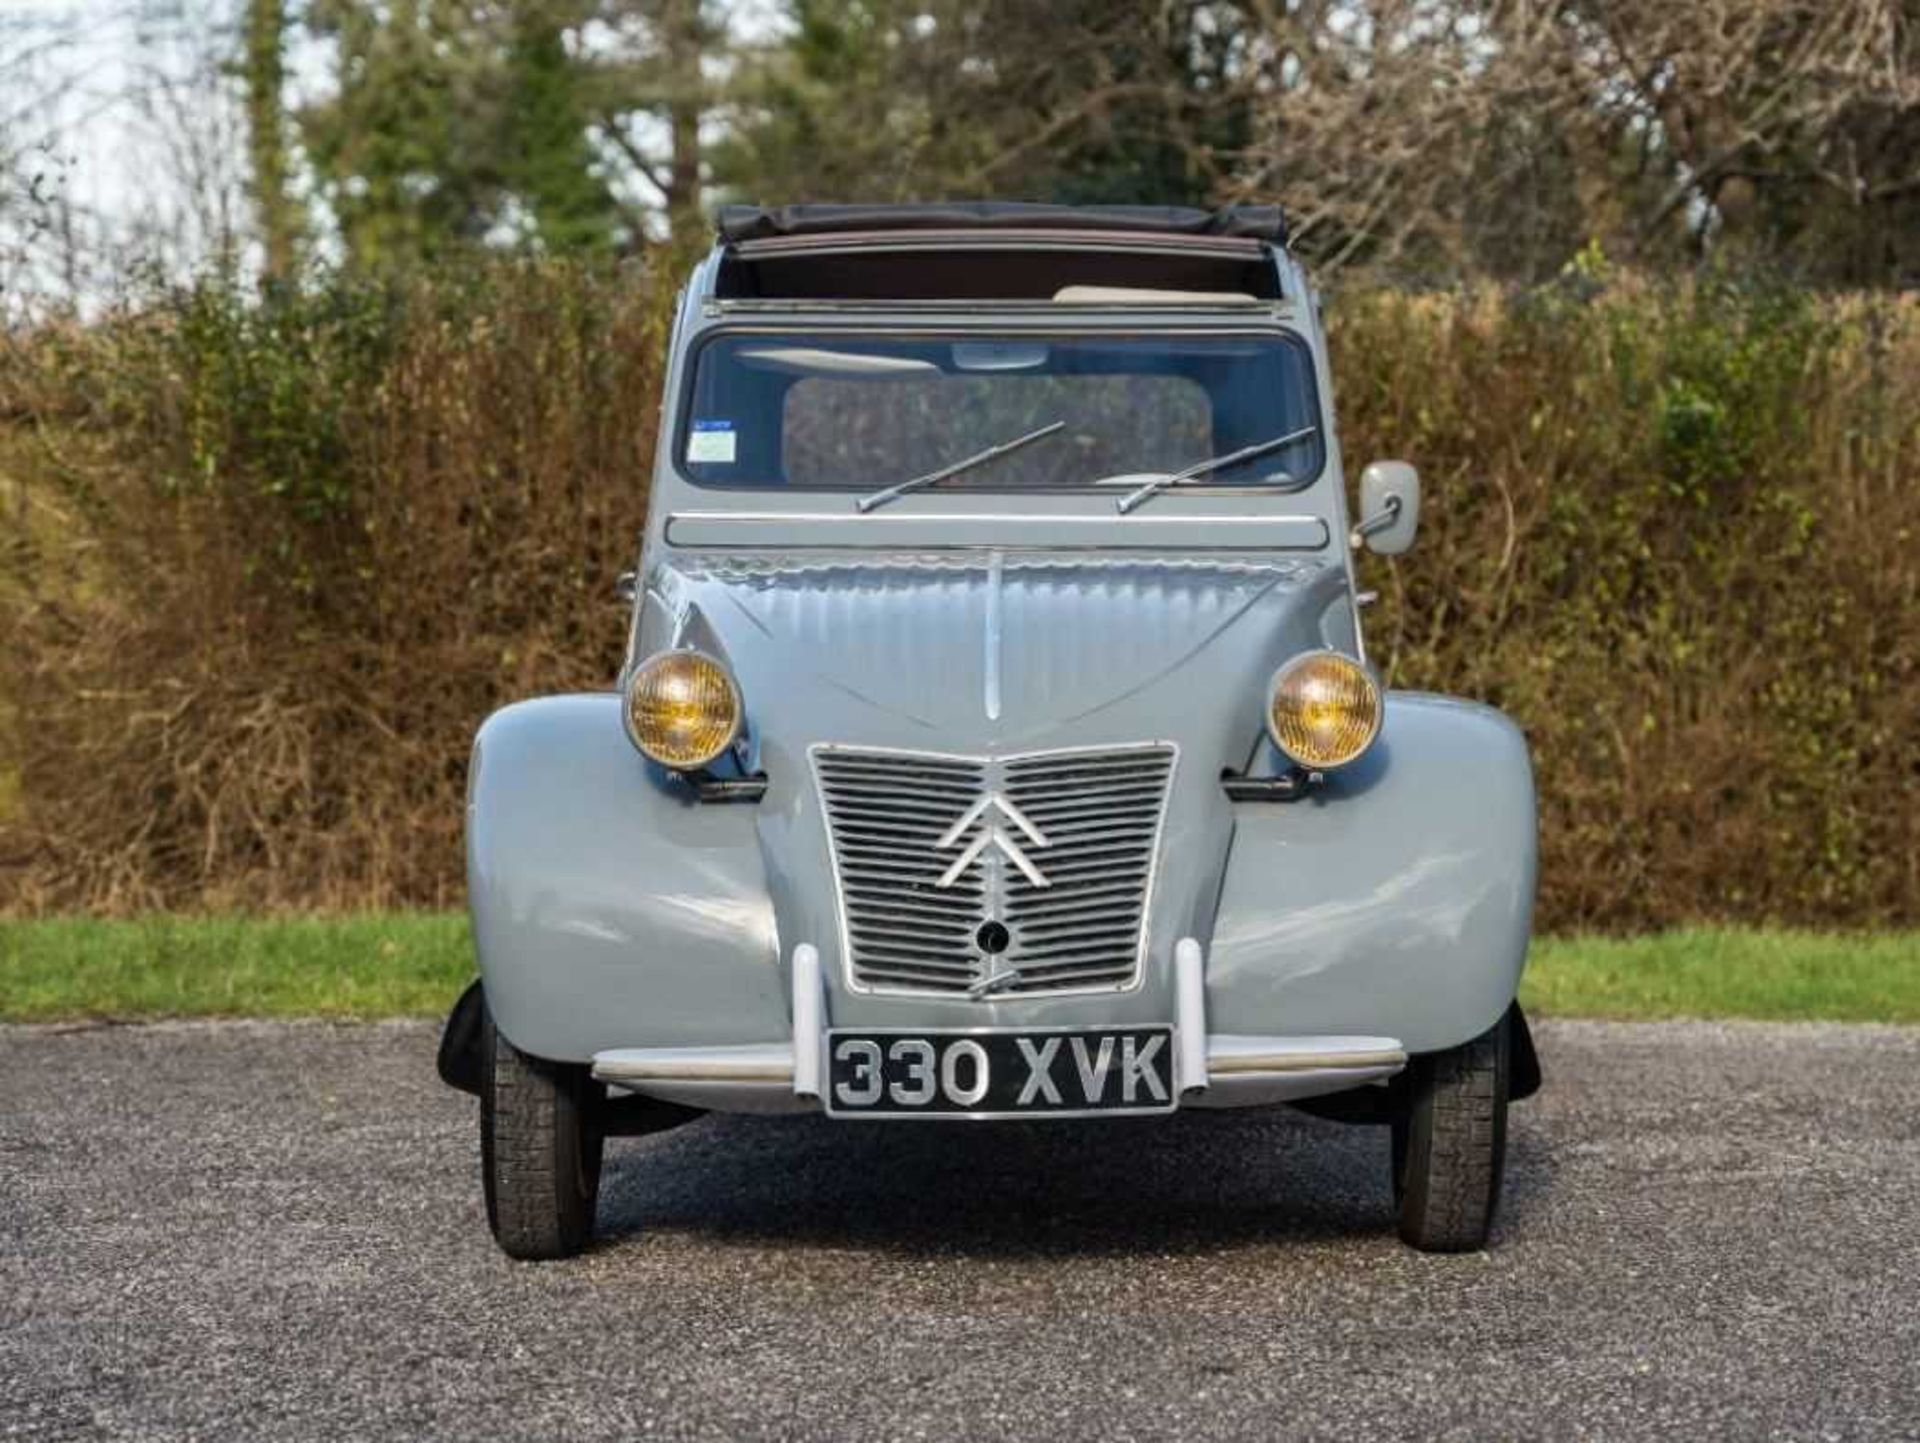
[{"x": 253, "y": 1231}]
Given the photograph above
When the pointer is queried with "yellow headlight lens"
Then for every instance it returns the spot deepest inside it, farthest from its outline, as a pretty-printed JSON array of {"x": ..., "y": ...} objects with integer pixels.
[
  {"x": 1323, "y": 709},
  {"x": 683, "y": 709}
]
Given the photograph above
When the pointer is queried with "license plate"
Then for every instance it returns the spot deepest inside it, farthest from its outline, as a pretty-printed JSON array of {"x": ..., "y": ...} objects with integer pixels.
[{"x": 1030, "y": 1073}]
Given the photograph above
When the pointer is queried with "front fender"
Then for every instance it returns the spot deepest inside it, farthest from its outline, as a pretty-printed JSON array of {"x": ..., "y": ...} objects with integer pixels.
[
  {"x": 1396, "y": 899},
  {"x": 608, "y": 905}
]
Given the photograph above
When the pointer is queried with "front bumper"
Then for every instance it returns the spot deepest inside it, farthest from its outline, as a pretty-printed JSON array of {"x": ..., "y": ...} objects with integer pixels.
[{"x": 1211, "y": 1069}]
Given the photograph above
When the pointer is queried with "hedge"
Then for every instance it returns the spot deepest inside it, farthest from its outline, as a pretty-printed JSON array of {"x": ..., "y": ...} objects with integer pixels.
[{"x": 267, "y": 560}]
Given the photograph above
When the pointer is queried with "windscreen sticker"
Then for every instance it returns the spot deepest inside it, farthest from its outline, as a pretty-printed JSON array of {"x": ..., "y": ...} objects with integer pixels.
[{"x": 712, "y": 442}]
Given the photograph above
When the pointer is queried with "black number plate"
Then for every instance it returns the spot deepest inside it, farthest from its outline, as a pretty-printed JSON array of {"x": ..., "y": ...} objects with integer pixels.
[{"x": 999, "y": 1074}]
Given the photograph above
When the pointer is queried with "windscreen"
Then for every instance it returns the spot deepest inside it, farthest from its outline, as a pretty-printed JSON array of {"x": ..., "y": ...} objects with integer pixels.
[{"x": 856, "y": 412}]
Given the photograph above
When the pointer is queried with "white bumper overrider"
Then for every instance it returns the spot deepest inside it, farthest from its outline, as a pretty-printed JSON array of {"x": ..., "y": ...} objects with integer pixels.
[{"x": 1213, "y": 1069}]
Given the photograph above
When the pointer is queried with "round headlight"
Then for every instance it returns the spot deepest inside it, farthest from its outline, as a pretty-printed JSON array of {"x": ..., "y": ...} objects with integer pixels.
[
  {"x": 1323, "y": 709},
  {"x": 683, "y": 709}
]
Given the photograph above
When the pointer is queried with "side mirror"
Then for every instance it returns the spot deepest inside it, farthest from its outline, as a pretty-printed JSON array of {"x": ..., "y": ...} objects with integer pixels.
[{"x": 1389, "y": 508}]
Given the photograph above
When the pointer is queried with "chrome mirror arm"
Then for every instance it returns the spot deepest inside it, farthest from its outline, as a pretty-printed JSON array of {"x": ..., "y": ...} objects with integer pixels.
[{"x": 1379, "y": 521}]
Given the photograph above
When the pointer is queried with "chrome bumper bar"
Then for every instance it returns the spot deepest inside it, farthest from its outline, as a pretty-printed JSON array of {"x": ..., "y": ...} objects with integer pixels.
[{"x": 1213, "y": 1069}]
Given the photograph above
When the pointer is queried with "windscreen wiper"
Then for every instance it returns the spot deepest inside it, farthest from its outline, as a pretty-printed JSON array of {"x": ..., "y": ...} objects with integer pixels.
[
  {"x": 979, "y": 458},
  {"x": 1217, "y": 463}
]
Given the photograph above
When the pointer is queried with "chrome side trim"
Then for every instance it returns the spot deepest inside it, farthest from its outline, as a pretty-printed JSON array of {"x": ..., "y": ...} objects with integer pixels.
[
  {"x": 1227, "y": 1053},
  {"x": 1264, "y": 1089},
  {"x": 734, "y": 1062},
  {"x": 1257, "y": 1071},
  {"x": 749, "y": 1077}
]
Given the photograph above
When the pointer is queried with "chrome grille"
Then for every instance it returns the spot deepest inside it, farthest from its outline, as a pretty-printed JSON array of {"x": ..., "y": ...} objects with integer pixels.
[{"x": 919, "y": 873}]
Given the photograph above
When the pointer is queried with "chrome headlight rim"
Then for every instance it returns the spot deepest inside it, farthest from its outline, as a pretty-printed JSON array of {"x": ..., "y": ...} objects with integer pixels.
[
  {"x": 734, "y": 695},
  {"x": 1306, "y": 658}
]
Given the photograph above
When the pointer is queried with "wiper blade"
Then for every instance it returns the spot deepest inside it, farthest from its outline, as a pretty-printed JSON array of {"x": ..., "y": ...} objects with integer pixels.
[
  {"x": 979, "y": 458},
  {"x": 1217, "y": 463}
]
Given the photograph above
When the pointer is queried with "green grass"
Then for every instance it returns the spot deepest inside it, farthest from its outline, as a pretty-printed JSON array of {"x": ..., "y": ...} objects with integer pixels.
[
  {"x": 356, "y": 965},
  {"x": 1728, "y": 972},
  {"x": 414, "y": 964}
]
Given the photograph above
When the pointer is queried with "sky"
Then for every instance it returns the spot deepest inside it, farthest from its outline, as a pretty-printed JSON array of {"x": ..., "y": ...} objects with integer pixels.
[{"x": 120, "y": 136}]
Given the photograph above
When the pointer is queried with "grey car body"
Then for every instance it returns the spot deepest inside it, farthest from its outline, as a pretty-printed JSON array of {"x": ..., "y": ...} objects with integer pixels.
[{"x": 689, "y": 941}]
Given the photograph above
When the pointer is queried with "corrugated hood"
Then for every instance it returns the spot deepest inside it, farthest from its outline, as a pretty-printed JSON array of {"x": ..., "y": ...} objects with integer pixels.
[{"x": 1002, "y": 648}]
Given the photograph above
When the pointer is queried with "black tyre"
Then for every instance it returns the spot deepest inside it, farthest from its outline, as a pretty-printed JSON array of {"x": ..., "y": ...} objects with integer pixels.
[
  {"x": 540, "y": 1148},
  {"x": 1450, "y": 1143}
]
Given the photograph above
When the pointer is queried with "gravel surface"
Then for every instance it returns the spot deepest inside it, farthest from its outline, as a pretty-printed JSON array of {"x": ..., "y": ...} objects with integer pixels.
[{"x": 262, "y": 1231}]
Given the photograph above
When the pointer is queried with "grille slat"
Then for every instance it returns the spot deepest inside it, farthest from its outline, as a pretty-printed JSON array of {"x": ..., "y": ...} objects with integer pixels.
[
  {"x": 882, "y": 801},
  {"x": 1064, "y": 815},
  {"x": 889, "y": 875},
  {"x": 1123, "y": 838},
  {"x": 1100, "y": 812},
  {"x": 921, "y": 961},
  {"x": 1100, "y": 860},
  {"x": 906, "y": 930},
  {"x": 1070, "y": 933}
]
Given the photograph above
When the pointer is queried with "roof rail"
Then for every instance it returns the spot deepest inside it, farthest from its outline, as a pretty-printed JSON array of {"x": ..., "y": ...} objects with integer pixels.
[{"x": 736, "y": 223}]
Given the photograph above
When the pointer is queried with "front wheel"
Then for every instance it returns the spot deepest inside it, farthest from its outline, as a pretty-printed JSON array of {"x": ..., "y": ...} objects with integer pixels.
[
  {"x": 540, "y": 1148},
  {"x": 1450, "y": 1143}
]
